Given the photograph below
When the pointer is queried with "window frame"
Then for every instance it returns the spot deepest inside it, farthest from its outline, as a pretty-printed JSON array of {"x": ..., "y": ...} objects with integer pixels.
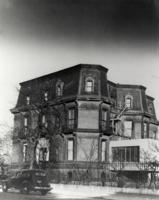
[
  {"x": 89, "y": 88},
  {"x": 70, "y": 151},
  {"x": 44, "y": 120},
  {"x": 145, "y": 130},
  {"x": 126, "y": 154},
  {"x": 25, "y": 121},
  {"x": 27, "y": 100},
  {"x": 44, "y": 157},
  {"x": 46, "y": 96},
  {"x": 129, "y": 104},
  {"x": 104, "y": 118},
  {"x": 103, "y": 150},
  {"x": 25, "y": 151},
  {"x": 59, "y": 88},
  {"x": 71, "y": 118},
  {"x": 25, "y": 125}
]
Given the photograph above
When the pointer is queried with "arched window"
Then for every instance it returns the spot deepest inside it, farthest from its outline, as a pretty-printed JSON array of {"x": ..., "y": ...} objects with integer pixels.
[
  {"x": 89, "y": 85},
  {"x": 128, "y": 101}
]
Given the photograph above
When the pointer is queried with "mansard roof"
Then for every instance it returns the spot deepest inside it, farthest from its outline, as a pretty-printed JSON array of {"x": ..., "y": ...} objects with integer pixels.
[{"x": 66, "y": 70}]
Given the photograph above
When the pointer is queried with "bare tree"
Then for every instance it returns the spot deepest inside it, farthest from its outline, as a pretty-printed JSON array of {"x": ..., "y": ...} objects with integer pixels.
[{"x": 48, "y": 125}]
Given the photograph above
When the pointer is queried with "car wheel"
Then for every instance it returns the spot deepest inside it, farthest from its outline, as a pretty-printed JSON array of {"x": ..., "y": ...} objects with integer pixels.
[
  {"x": 25, "y": 189},
  {"x": 43, "y": 192},
  {"x": 4, "y": 187}
]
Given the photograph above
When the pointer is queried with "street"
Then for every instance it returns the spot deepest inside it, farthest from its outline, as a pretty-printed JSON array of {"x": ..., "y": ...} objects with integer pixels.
[{"x": 15, "y": 195}]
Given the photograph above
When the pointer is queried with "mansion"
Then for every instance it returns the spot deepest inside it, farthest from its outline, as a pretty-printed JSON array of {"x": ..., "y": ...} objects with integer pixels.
[{"x": 77, "y": 115}]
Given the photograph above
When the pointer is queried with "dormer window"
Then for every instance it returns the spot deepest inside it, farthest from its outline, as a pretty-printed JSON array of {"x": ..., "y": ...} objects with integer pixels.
[
  {"x": 150, "y": 108},
  {"x": 59, "y": 88},
  {"x": 28, "y": 100},
  {"x": 46, "y": 96},
  {"x": 129, "y": 101},
  {"x": 59, "y": 91},
  {"x": 89, "y": 85}
]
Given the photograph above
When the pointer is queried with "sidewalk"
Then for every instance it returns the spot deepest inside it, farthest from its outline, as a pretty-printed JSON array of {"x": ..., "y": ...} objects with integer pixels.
[{"x": 82, "y": 191}]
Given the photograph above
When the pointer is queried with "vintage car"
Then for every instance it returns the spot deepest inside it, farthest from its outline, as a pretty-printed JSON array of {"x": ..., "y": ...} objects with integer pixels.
[{"x": 28, "y": 180}]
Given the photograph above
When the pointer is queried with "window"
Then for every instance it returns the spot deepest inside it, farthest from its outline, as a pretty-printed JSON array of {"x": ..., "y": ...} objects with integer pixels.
[
  {"x": 70, "y": 149},
  {"x": 25, "y": 121},
  {"x": 43, "y": 119},
  {"x": 43, "y": 154},
  {"x": 46, "y": 96},
  {"x": 42, "y": 150},
  {"x": 28, "y": 100},
  {"x": 25, "y": 125},
  {"x": 153, "y": 131},
  {"x": 25, "y": 149},
  {"x": 150, "y": 108},
  {"x": 59, "y": 88},
  {"x": 104, "y": 119},
  {"x": 89, "y": 85},
  {"x": 125, "y": 154},
  {"x": 129, "y": 101},
  {"x": 128, "y": 128},
  {"x": 59, "y": 91},
  {"x": 103, "y": 150},
  {"x": 44, "y": 122},
  {"x": 57, "y": 121},
  {"x": 145, "y": 130},
  {"x": 71, "y": 118}
]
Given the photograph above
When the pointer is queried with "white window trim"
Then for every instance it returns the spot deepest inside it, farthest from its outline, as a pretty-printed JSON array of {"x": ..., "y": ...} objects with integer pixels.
[
  {"x": 131, "y": 101},
  {"x": 89, "y": 79}
]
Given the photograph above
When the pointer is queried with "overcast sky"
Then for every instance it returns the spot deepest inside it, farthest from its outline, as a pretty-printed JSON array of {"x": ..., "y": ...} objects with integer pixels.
[{"x": 38, "y": 37}]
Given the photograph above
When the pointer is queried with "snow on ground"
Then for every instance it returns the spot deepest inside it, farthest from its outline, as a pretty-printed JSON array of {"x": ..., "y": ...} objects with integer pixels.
[{"x": 79, "y": 191}]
